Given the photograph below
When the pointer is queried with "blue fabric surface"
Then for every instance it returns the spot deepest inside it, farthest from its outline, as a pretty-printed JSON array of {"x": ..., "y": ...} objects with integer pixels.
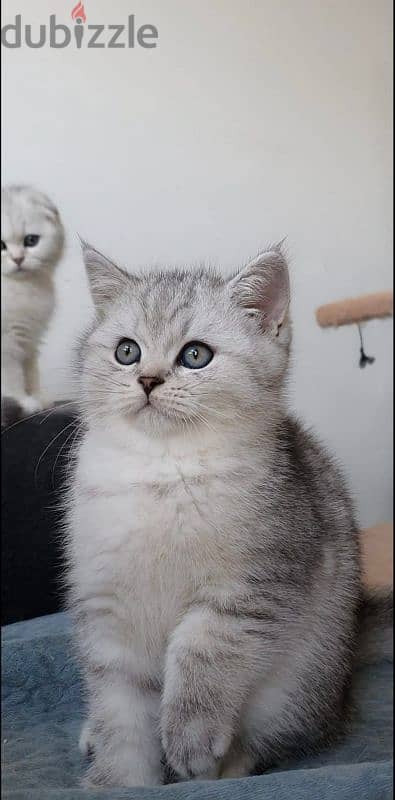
[{"x": 42, "y": 712}]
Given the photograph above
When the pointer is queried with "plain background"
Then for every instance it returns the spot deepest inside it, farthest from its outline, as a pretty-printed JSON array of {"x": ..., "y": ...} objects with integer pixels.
[{"x": 249, "y": 122}]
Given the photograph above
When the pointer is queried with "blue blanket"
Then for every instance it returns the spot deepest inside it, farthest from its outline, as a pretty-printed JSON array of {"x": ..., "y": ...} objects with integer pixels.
[{"x": 42, "y": 712}]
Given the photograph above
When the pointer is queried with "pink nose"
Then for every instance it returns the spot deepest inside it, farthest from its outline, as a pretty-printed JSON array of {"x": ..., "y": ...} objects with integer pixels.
[
  {"x": 149, "y": 383},
  {"x": 18, "y": 261}
]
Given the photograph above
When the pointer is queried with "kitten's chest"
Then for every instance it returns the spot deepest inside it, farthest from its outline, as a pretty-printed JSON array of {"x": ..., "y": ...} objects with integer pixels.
[
  {"x": 150, "y": 531},
  {"x": 24, "y": 305}
]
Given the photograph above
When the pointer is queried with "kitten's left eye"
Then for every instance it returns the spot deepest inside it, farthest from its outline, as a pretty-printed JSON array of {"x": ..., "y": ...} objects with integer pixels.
[
  {"x": 127, "y": 352},
  {"x": 3, "y": 245},
  {"x": 195, "y": 355},
  {"x": 31, "y": 240}
]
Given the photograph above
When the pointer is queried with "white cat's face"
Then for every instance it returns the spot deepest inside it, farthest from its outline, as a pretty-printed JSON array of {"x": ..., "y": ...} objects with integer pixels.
[
  {"x": 184, "y": 349},
  {"x": 31, "y": 232}
]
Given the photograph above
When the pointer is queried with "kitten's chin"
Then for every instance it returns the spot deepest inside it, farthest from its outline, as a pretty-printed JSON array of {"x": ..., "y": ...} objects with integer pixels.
[
  {"x": 156, "y": 421},
  {"x": 23, "y": 271},
  {"x": 11, "y": 271}
]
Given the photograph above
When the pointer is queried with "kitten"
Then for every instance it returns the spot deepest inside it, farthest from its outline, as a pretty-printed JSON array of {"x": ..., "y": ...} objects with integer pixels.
[
  {"x": 213, "y": 556},
  {"x": 31, "y": 246}
]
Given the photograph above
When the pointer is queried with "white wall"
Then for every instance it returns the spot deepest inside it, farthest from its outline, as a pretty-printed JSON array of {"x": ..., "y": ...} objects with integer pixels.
[{"x": 252, "y": 120}]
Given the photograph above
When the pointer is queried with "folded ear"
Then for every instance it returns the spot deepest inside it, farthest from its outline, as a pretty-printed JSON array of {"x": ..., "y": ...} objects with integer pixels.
[
  {"x": 48, "y": 208},
  {"x": 262, "y": 287},
  {"x": 106, "y": 280}
]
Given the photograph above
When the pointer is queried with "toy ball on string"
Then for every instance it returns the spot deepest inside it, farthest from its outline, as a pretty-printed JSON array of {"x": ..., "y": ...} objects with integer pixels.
[
  {"x": 357, "y": 311},
  {"x": 363, "y": 358}
]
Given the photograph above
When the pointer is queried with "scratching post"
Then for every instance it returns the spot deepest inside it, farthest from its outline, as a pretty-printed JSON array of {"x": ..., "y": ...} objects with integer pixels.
[{"x": 356, "y": 310}]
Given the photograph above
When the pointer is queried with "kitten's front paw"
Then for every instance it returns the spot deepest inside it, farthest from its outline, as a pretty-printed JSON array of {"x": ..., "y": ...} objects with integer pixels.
[
  {"x": 111, "y": 773},
  {"x": 116, "y": 764},
  {"x": 194, "y": 748},
  {"x": 30, "y": 404},
  {"x": 14, "y": 409}
]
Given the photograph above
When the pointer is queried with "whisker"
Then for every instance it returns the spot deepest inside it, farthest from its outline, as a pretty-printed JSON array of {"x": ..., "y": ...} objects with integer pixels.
[
  {"x": 19, "y": 421},
  {"x": 59, "y": 454},
  {"x": 53, "y": 440},
  {"x": 56, "y": 408}
]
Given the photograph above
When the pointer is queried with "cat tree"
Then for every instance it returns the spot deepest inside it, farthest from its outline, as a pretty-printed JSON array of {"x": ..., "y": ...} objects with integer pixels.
[
  {"x": 377, "y": 542},
  {"x": 356, "y": 310}
]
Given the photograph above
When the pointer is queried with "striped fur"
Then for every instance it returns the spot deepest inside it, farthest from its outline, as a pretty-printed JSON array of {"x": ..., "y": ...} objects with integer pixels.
[{"x": 213, "y": 554}]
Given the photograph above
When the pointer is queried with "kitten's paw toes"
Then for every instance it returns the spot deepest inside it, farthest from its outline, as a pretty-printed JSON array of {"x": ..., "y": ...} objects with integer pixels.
[
  {"x": 237, "y": 765},
  {"x": 196, "y": 748},
  {"x": 104, "y": 774},
  {"x": 96, "y": 778},
  {"x": 30, "y": 404}
]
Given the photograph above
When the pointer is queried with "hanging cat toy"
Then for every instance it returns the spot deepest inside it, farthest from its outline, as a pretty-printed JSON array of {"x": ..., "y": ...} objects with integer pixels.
[{"x": 356, "y": 311}]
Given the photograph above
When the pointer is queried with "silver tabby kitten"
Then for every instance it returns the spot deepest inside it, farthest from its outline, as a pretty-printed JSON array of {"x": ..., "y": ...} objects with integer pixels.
[
  {"x": 213, "y": 555},
  {"x": 32, "y": 240}
]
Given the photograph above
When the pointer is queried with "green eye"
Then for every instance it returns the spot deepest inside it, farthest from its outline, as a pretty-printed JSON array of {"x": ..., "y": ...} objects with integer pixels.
[
  {"x": 195, "y": 355},
  {"x": 127, "y": 352}
]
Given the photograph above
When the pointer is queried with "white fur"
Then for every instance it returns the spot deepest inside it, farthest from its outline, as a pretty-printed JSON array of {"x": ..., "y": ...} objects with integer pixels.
[
  {"x": 27, "y": 289},
  {"x": 204, "y": 587},
  {"x": 140, "y": 557},
  {"x": 138, "y": 562}
]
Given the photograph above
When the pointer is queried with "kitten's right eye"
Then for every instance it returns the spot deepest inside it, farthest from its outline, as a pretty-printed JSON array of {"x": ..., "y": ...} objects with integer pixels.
[
  {"x": 31, "y": 240},
  {"x": 3, "y": 245},
  {"x": 195, "y": 355},
  {"x": 127, "y": 352}
]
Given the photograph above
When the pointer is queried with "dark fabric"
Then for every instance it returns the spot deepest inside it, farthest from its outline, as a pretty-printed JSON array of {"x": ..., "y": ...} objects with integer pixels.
[
  {"x": 34, "y": 455},
  {"x": 43, "y": 711}
]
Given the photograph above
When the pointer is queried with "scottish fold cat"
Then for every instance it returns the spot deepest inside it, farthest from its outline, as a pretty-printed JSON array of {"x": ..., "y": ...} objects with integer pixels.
[
  {"x": 31, "y": 245},
  {"x": 213, "y": 559}
]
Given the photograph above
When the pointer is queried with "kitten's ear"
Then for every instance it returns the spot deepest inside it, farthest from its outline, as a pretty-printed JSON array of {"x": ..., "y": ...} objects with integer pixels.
[
  {"x": 106, "y": 280},
  {"x": 262, "y": 287}
]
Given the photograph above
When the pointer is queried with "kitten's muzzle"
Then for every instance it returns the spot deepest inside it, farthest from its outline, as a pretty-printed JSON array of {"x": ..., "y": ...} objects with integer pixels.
[{"x": 148, "y": 383}]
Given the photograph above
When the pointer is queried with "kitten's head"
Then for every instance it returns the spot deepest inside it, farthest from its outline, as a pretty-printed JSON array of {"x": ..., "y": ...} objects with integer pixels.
[
  {"x": 31, "y": 231},
  {"x": 185, "y": 349}
]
